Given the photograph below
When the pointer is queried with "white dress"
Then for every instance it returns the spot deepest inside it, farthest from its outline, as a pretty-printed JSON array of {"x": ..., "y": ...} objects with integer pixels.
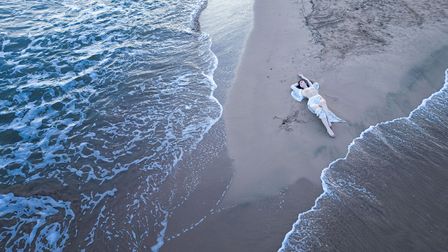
[{"x": 314, "y": 100}]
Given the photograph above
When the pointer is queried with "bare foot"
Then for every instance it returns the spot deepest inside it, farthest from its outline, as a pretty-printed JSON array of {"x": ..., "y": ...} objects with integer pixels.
[{"x": 330, "y": 132}]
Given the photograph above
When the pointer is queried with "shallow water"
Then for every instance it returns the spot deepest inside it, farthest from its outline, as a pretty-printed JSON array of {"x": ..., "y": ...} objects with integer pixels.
[{"x": 91, "y": 91}]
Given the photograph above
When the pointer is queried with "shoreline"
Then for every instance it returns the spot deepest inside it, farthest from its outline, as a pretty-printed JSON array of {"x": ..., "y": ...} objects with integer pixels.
[
  {"x": 363, "y": 89},
  {"x": 326, "y": 192},
  {"x": 234, "y": 223}
]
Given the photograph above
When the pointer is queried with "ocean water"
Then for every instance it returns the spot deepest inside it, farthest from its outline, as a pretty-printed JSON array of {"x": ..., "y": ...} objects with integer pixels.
[
  {"x": 389, "y": 193},
  {"x": 98, "y": 102}
]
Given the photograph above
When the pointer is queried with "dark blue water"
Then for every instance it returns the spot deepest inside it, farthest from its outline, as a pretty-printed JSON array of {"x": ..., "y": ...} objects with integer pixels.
[
  {"x": 389, "y": 193},
  {"x": 94, "y": 93}
]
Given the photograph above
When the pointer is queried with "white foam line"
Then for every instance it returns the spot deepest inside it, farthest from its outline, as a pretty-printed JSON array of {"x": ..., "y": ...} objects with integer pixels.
[
  {"x": 326, "y": 190},
  {"x": 211, "y": 212},
  {"x": 210, "y": 76},
  {"x": 161, "y": 237}
]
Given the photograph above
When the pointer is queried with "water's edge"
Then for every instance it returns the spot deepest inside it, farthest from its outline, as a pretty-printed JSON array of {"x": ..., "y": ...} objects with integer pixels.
[{"x": 325, "y": 178}]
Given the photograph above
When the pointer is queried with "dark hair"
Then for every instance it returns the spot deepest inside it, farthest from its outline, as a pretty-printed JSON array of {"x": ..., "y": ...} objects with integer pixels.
[{"x": 306, "y": 82}]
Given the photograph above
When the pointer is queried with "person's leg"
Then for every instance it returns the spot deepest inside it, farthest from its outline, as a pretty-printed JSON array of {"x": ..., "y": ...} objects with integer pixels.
[
  {"x": 323, "y": 104},
  {"x": 323, "y": 117},
  {"x": 327, "y": 126}
]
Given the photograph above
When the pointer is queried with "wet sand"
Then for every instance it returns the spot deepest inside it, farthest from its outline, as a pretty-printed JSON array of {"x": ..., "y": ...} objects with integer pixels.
[
  {"x": 275, "y": 148},
  {"x": 275, "y": 140}
]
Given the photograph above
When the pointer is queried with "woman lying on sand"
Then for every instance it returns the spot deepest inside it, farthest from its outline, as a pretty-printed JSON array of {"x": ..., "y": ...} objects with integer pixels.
[{"x": 316, "y": 103}]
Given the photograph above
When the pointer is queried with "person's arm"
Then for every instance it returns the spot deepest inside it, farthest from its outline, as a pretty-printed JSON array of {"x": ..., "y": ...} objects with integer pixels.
[
  {"x": 303, "y": 77},
  {"x": 316, "y": 85},
  {"x": 295, "y": 88},
  {"x": 296, "y": 92}
]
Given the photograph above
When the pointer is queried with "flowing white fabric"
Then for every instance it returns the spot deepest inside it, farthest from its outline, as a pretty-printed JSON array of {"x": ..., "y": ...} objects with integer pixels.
[{"x": 313, "y": 103}]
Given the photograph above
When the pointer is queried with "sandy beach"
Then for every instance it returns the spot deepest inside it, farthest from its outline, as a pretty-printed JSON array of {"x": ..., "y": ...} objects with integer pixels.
[
  {"x": 274, "y": 146},
  {"x": 170, "y": 126},
  {"x": 275, "y": 140}
]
